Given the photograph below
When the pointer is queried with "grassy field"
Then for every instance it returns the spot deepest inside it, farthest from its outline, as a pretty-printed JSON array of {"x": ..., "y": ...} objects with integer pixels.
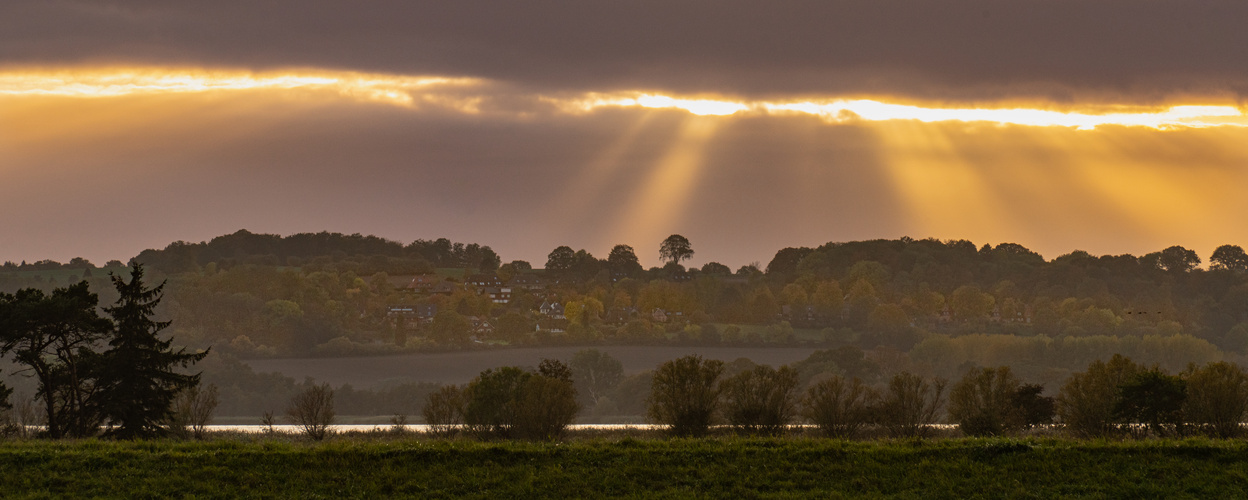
[{"x": 627, "y": 467}]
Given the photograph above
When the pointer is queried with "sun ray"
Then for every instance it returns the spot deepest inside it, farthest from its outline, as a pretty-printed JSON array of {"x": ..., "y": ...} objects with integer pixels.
[
  {"x": 574, "y": 205},
  {"x": 658, "y": 206}
]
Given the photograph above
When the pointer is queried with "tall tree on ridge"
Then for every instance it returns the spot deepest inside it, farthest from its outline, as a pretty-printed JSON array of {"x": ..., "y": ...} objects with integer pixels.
[{"x": 675, "y": 249}]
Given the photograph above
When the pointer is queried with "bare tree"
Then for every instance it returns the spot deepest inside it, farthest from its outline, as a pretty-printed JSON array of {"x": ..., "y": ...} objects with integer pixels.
[
  {"x": 444, "y": 410},
  {"x": 313, "y": 411},
  {"x": 762, "y": 400},
  {"x": 839, "y": 407},
  {"x": 684, "y": 395},
  {"x": 268, "y": 421},
  {"x": 911, "y": 404},
  {"x": 193, "y": 408}
]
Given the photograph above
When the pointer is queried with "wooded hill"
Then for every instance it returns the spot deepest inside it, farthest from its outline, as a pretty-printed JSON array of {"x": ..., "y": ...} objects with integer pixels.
[{"x": 329, "y": 294}]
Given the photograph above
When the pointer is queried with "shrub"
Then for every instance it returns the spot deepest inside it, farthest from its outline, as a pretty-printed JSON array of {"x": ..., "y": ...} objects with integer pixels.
[
  {"x": 511, "y": 402},
  {"x": 760, "y": 400},
  {"x": 1086, "y": 403},
  {"x": 1033, "y": 408},
  {"x": 684, "y": 395},
  {"x": 982, "y": 402},
  {"x": 839, "y": 407},
  {"x": 444, "y": 410},
  {"x": 490, "y": 401},
  {"x": 1217, "y": 398},
  {"x": 546, "y": 407},
  {"x": 313, "y": 411},
  {"x": 1153, "y": 398},
  {"x": 911, "y": 404}
]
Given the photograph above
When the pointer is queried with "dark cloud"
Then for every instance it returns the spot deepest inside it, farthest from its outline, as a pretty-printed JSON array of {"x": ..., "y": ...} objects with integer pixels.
[{"x": 954, "y": 49}]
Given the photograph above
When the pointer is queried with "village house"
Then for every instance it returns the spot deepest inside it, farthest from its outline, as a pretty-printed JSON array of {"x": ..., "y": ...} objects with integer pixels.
[
  {"x": 552, "y": 309},
  {"x": 498, "y": 295},
  {"x": 424, "y": 282},
  {"x": 484, "y": 280},
  {"x": 525, "y": 281}
]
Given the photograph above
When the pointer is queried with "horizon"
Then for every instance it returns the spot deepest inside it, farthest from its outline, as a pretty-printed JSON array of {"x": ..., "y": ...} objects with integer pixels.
[{"x": 693, "y": 262}]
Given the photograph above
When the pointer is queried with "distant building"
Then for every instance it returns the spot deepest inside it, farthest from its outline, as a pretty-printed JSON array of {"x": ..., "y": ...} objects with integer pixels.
[
  {"x": 658, "y": 315},
  {"x": 498, "y": 295},
  {"x": 552, "y": 309},
  {"x": 443, "y": 288},
  {"x": 423, "y": 282},
  {"x": 484, "y": 280},
  {"x": 525, "y": 281}
]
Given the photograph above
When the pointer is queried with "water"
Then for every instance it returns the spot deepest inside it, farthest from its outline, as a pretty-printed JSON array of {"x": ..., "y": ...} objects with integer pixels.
[{"x": 294, "y": 429}]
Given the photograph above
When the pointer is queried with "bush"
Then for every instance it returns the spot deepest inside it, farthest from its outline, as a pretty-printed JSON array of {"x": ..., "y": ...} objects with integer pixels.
[
  {"x": 1217, "y": 398},
  {"x": 684, "y": 395},
  {"x": 911, "y": 404},
  {"x": 1033, "y": 408},
  {"x": 1086, "y": 403},
  {"x": 1153, "y": 398},
  {"x": 839, "y": 407},
  {"x": 982, "y": 403},
  {"x": 760, "y": 400},
  {"x": 490, "y": 401},
  {"x": 313, "y": 411},
  {"x": 545, "y": 409},
  {"x": 510, "y": 402},
  {"x": 444, "y": 410}
]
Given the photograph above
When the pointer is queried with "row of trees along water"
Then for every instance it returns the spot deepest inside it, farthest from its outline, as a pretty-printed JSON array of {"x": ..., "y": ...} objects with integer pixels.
[
  {"x": 689, "y": 395},
  {"x": 330, "y": 294}
]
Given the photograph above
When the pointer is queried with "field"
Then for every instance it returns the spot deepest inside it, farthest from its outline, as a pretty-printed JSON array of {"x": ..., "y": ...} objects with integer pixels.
[
  {"x": 628, "y": 467},
  {"x": 460, "y": 367}
]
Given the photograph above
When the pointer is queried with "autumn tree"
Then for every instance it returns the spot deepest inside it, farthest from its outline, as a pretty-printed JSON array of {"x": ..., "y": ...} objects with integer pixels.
[{"x": 968, "y": 302}]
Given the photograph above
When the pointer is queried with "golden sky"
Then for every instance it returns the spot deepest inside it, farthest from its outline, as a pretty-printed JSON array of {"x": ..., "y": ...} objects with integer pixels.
[{"x": 110, "y": 144}]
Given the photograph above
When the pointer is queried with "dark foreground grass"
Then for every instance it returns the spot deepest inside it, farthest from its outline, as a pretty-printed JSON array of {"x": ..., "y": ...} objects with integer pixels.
[{"x": 713, "y": 468}]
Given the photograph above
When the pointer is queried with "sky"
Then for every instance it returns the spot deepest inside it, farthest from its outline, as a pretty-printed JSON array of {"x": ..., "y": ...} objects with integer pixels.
[{"x": 1110, "y": 126}]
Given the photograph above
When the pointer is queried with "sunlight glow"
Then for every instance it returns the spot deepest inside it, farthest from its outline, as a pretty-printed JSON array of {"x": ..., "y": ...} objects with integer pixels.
[
  {"x": 100, "y": 83},
  {"x": 472, "y": 96},
  {"x": 1177, "y": 116}
]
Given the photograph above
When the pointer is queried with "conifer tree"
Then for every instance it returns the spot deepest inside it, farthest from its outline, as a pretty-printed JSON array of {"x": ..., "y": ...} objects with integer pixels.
[{"x": 140, "y": 383}]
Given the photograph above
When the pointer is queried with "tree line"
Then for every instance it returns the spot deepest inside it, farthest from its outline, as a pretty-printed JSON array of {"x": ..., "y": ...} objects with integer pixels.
[{"x": 689, "y": 396}]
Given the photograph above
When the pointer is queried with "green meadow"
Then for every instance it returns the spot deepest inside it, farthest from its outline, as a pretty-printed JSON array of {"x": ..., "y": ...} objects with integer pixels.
[{"x": 727, "y": 467}]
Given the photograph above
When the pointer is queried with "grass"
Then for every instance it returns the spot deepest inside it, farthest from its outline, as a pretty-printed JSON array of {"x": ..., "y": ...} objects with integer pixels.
[{"x": 628, "y": 467}]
